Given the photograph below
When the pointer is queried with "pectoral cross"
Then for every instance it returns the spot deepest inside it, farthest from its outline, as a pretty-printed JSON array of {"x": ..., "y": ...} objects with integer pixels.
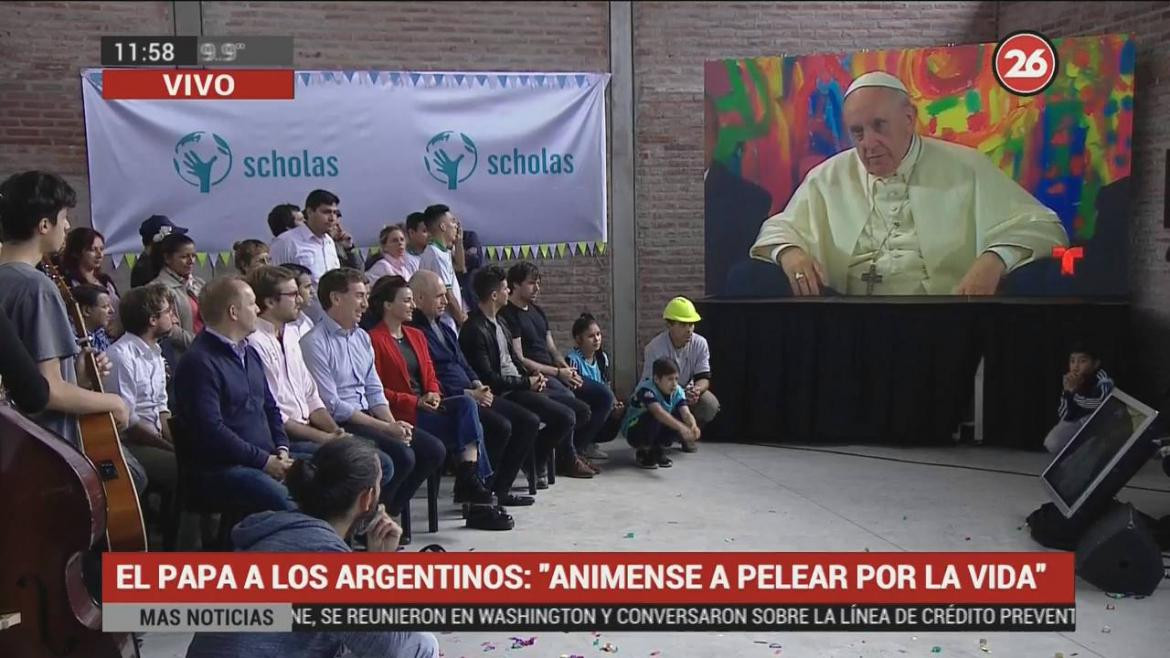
[{"x": 871, "y": 278}]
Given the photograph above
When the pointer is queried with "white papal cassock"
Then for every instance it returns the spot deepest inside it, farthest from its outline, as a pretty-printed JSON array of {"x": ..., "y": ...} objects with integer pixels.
[{"x": 922, "y": 227}]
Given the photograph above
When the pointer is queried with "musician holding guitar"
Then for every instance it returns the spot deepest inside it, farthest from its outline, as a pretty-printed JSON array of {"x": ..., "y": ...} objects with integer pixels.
[
  {"x": 93, "y": 502},
  {"x": 34, "y": 221}
]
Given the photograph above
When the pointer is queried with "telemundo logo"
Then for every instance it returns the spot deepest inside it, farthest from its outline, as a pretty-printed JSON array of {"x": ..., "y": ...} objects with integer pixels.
[
  {"x": 204, "y": 159},
  {"x": 452, "y": 157}
]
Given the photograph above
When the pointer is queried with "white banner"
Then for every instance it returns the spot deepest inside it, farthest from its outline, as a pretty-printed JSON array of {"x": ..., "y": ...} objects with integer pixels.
[{"x": 520, "y": 158}]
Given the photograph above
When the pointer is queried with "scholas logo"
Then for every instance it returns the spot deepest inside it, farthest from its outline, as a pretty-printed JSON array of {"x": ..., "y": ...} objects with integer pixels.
[
  {"x": 202, "y": 159},
  {"x": 205, "y": 159},
  {"x": 452, "y": 157}
]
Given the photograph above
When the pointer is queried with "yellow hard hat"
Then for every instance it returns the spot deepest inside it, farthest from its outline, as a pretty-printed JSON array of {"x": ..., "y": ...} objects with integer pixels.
[{"x": 681, "y": 309}]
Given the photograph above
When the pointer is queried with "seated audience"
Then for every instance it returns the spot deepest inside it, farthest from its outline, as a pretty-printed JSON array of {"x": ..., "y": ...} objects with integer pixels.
[
  {"x": 81, "y": 265},
  {"x": 305, "y": 295},
  {"x": 153, "y": 230},
  {"x": 592, "y": 363},
  {"x": 310, "y": 244},
  {"x": 488, "y": 347},
  {"x": 473, "y": 256},
  {"x": 33, "y": 221},
  {"x": 533, "y": 341},
  {"x": 284, "y": 217},
  {"x": 341, "y": 359},
  {"x": 509, "y": 429},
  {"x": 306, "y": 420},
  {"x": 98, "y": 312},
  {"x": 337, "y": 491},
  {"x": 347, "y": 255},
  {"x": 417, "y": 238},
  {"x": 175, "y": 257},
  {"x": 238, "y": 443},
  {"x": 659, "y": 416},
  {"x": 393, "y": 258},
  {"x": 404, "y": 364},
  {"x": 443, "y": 229},
  {"x": 138, "y": 375},
  {"x": 692, "y": 356},
  {"x": 1086, "y": 385},
  {"x": 250, "y": 255}
]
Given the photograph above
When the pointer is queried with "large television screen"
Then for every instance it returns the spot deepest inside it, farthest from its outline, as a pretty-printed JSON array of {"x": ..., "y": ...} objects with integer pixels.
[{"x": 935, "y": 188}]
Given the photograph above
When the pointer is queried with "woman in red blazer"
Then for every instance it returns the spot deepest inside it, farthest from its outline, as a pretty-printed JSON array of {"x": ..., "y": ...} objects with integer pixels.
[{"x": 404, "y": 365}]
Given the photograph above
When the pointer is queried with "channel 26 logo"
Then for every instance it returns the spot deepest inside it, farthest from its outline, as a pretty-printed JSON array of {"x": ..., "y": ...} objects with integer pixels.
[{"x": 1025, "y": 63}]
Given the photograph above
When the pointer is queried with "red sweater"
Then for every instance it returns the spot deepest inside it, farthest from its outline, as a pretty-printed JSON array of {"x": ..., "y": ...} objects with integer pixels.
[{"x": 392, "y": 370}]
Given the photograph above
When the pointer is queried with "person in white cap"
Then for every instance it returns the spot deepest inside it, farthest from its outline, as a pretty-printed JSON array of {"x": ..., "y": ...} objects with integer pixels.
[{"x": 901, "y": 214}]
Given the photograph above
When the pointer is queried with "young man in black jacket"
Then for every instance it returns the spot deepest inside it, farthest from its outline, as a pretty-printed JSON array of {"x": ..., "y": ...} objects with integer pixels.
[{"x": 487, "y": 344}]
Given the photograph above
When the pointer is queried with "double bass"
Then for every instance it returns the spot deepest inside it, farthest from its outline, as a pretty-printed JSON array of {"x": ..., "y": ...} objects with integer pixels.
[{"x": 53, "y": 528}]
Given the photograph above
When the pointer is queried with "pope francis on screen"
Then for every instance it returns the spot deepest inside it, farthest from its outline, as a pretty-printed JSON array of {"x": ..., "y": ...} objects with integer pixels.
[{"x": 901, "y": 214}]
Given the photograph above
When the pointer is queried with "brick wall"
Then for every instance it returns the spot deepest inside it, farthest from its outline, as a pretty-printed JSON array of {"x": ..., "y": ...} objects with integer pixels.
[
  {"x": 1149, "y": 22},
  {"x": 470, "y": 36},
  {"x": 44, "y": 45},
  {"x": 671, "y": 42}
]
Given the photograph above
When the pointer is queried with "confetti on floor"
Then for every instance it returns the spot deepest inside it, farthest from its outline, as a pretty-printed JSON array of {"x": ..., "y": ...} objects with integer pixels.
[
  {"x": 1106, "y": 629},
  {"x": 629, "y": 535},
  {"x": 936, "y": 649},
  {"x": 983, "y": 646},
  {"x": 609, "y": 647},
  {"x": 520, "y": 643},
  {"x": 1110, "y": 606}
]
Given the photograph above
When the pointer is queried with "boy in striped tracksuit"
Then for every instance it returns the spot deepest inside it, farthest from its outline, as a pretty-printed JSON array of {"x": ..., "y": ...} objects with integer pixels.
[{"x": 1086, "y": 386}]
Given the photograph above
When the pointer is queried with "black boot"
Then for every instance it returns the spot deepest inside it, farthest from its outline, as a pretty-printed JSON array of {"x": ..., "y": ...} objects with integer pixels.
[{"x": 469, "y": 488}]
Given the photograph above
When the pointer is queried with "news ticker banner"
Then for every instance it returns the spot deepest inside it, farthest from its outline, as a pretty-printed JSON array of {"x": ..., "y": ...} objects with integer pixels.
[
  {"x": 283, "y": 592},
  {"x": 519, "y": 157}
]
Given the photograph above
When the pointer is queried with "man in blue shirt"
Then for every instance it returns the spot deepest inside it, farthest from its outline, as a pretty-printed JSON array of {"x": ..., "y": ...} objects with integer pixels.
[
  {"x": 239, "y": 447},
  {"x": 340, "y": 358},
  {"x": 509, "y": 429}
]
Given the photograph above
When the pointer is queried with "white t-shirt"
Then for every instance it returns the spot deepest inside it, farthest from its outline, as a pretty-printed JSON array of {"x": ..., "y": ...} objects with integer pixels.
[{"x": 438, "y": 260}]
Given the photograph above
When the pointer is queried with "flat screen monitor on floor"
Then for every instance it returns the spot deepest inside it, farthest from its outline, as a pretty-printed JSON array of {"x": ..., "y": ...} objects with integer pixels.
[{"x": 1108, "y": 450}]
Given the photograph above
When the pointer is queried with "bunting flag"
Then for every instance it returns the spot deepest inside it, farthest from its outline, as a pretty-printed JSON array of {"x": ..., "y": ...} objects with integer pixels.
[
  {"x": 491, "y": 253},
  {"x": 201, "y": 256},
  {"x": 225, "y": 257},
  {"x": 131, "y": 259},
  {"x": 561, "y": 249}
]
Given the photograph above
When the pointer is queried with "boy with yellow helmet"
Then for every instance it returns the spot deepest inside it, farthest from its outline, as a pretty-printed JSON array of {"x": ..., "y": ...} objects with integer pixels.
[{"x": 693, "y": 357}]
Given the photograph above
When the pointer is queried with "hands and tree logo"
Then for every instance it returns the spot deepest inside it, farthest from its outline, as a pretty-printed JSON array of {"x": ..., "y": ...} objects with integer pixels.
[
  {"x": 198, "y": 159},
  {"x": 446, "y": 157}
]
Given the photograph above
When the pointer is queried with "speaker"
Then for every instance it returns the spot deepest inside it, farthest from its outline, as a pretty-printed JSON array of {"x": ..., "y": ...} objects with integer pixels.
[{"x": 1119, "y": 554}]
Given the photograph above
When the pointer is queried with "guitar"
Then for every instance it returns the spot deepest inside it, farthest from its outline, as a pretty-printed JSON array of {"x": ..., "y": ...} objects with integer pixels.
[{"x": 125, "y": 529}]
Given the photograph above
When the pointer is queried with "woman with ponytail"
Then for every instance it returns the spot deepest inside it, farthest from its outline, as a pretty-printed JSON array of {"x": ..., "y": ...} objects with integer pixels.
[
  {"x": 591, "y": 362},
  {"x": 337, "y": 491}
]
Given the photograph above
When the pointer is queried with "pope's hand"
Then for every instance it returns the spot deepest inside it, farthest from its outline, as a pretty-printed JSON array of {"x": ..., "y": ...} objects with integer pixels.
[
  {"x": 805, "y": 274},
  {"x": 983, "y": 277}
]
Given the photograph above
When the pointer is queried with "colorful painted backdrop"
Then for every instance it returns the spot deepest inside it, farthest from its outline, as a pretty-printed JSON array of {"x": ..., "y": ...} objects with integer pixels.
[{"x": 781, "y": 116}]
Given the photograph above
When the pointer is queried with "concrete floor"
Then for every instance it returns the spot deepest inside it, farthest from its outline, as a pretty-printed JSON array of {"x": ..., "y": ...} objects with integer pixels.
[{"x": 759, "y": 498}]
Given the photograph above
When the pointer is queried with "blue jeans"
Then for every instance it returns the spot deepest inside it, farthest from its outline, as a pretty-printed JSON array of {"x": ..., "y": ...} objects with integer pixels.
[
  {"x": 413, "y": 463},
  {"x": 457, "y": 425},
  {"x": 600, "y": 400},
  {"x": 647, "y": 432},
  {"x": 249, "y": 489}
]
